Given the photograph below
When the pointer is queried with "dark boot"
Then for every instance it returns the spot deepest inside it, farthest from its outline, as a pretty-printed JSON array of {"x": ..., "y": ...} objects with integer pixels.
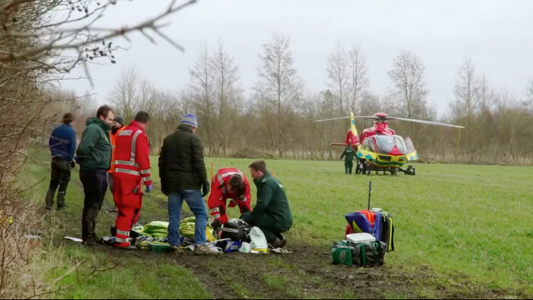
[
  {"x": 278, "y": 243},
  {"x": 61, "y": 196},
  {"x": 49, "y": 200},
  {"x": 91, "y": 242}
]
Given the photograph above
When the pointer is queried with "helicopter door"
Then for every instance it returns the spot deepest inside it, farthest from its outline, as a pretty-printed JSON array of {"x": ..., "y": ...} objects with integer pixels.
[{"x": 412, "y": 155}]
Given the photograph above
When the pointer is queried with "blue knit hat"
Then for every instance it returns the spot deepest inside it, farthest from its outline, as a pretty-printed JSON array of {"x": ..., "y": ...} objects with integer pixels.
[{"x": 190, "y": 119}]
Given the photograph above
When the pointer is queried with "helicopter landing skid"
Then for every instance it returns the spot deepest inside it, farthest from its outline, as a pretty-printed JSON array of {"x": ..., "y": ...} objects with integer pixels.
[
  {"x": 410, "y": 170},
  {"x": 366, "y": 168}
]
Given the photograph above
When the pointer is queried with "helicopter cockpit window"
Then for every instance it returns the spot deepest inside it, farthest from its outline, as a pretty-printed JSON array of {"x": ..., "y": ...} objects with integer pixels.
[
  {"x": 369, "y": 144},
  {"x": 385, "y": 143},
  {"x": 400, "y": 143}
]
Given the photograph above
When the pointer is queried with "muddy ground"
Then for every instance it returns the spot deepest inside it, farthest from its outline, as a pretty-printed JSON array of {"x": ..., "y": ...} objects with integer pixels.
[
  {"x": 308, "y": 273},
  {"x": 305, "y": 273}
]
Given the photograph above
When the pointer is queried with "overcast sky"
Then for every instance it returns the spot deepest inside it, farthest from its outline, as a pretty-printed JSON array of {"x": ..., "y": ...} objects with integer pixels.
[{"x": 496, "y": 34}]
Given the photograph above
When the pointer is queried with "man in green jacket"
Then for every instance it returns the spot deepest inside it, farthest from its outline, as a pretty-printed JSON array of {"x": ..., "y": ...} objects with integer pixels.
[
  {"x": 348, "y": 155},
  {"x": 94, "y": 158},
  {"x": 271, "y": 213}
]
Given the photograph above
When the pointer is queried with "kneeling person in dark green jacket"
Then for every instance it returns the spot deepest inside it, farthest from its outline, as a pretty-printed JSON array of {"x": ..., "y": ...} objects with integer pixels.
[{"x": 271, "y": 213}]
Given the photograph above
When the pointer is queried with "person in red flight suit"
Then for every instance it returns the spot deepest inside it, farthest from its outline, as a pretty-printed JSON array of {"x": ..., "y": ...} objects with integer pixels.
[
  {"x": 228, "y": 183},
  {"x": 132, "y": 167}
]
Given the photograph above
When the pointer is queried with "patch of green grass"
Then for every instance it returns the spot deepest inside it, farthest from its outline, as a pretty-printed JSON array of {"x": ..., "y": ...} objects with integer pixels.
[
  {"x": 468, "y": 225},
  {"x": 454, "y": 218}
]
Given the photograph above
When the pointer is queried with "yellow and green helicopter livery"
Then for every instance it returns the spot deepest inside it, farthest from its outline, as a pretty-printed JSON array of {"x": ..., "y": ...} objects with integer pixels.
[{"x": 379, "y": 148}]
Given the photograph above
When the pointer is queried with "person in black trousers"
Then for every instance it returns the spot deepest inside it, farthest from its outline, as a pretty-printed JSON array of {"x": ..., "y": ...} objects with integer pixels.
[
  {"x": 94, "y": 158},
  {"x": 62, "y": 145}
]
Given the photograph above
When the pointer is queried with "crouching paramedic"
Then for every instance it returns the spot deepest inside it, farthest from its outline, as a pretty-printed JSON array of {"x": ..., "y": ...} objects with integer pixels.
[
  {"x": 228, "y": 183},
  {"x": 271, "y": 213},
  {"x": 132, "y": 166}
]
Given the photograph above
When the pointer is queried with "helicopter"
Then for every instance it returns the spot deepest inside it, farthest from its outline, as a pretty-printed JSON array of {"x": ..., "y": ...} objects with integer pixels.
[{"x": 379, "y": 148}]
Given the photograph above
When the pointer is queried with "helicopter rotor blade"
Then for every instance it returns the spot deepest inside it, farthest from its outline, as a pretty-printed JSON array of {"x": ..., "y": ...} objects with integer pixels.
[
  {"x": 344, "y": 118},
  {"x": 330, "y": 119},
  {"x": 424, "y": 122},
  {"x": 366, "y": 117}
]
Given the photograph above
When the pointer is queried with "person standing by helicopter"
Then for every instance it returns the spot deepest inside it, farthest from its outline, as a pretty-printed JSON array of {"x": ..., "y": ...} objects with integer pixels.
[{"x": 348, "y": 154}]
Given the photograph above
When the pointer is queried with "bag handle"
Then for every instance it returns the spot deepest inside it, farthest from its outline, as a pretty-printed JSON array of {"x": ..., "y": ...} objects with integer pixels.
[
  {"x": 363, "y": 254},
  {"x": 377, "y": 248}
]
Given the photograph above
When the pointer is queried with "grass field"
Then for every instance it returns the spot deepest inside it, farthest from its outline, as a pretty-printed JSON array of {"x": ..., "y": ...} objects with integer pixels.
[{"x": 461, "y": 231}]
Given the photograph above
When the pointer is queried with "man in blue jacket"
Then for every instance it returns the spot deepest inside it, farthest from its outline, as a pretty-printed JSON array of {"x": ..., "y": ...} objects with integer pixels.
[{"x": 62, "y": 145}]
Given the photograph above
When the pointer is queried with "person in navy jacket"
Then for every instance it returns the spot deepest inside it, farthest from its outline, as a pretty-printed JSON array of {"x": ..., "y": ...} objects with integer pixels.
[{"x": 62, "y": 145}]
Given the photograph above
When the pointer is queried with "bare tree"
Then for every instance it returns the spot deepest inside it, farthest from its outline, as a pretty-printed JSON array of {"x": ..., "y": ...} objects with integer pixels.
[
  {"x": 409, "y": 90},
  {"x": 528, "y": 103},
  {"x": 228, "y": 92},
  {"x": 202, "y": 89},
  {"x": 82, "y": 38},
  {"x": 467, "y": 91},
  {"x": 409, "y": 84},
  {"x": 338, "y": 75},
  {"x": 466, "y": 106},
  {"x": 125, "y": 96},
  {"x": 359, "y": 81},
  {"x": 279, "y": 86}
]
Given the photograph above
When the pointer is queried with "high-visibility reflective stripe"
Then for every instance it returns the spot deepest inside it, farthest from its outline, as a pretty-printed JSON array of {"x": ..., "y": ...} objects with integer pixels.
[
  {"x": 231, "y": 230},
  {"x": 220, "y": 179},
  {"x": 145, "y": 179},
  {"x": 126, "y": 163},
  {"x": 216, "y": 209},
  {"x": 122, "y": 232},
  {"x": 126, "y": 171},
  {"x": 131, "y": 162},
  {"x": 121, "y": 240},
  {"x": 125, "y": 132},
  {"x": 134, "y": 145}
]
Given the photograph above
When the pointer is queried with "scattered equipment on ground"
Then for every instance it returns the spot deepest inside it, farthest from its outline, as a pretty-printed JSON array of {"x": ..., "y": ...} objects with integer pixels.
[
  {"x": 234, "y": 236},
  {"x": 368, "y": 236}
]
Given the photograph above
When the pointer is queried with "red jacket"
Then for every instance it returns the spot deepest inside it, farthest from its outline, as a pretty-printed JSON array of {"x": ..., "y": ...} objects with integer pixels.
[
  {"x": 219, "y": 185},
  {"x": 132, "y": 153}
]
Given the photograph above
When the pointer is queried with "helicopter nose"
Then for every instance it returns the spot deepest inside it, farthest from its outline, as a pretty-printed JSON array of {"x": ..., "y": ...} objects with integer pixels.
[{"x": 395, "y": 151}]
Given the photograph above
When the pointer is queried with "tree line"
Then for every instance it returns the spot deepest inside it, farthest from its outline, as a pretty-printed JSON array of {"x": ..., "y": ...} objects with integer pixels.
[{"x": 274, "y": 120}]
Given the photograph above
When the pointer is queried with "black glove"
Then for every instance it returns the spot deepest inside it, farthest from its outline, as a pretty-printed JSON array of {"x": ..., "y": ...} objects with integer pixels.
[
  {"x": 205, "y": 188},
  {"x": 216, "y": 224},
  {"x": 72, "y": 164}
]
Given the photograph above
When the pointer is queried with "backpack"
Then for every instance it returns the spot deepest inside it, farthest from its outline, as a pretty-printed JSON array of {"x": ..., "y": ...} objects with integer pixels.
[
  {"x": 366, "y": 254},
  {"x": 375, "y": 222},
  {"x": 236, "y": 230}
]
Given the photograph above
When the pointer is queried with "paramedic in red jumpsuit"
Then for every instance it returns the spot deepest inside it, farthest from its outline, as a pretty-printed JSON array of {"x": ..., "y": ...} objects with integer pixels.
[
  {"x": 132, "y": 168},
  {"x": 228, "y": 183}
]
